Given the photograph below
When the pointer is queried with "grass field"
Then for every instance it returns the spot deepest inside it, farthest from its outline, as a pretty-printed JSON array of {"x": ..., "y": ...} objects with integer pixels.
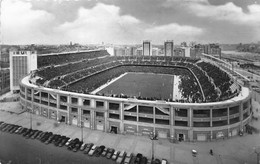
[{"x": 142, "y": 84}]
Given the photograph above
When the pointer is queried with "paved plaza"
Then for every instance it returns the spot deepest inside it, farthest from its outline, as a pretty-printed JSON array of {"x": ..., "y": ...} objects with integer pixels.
[{"x": 236, "y": 150}]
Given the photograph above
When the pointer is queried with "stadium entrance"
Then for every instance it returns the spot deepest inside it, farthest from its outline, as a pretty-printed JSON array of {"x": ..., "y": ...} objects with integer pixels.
[
  {"x": 181, "y": 137},
  {"x": 113, "y": 129}
]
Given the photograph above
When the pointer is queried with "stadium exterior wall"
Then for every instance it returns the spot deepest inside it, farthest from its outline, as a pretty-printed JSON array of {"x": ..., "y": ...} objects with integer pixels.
[{"x": 176, "y": 121}]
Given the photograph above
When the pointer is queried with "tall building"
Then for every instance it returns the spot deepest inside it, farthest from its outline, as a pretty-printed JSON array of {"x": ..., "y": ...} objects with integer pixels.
[
  {"x": 147, "y": 48},
  {"x": 4, "y": 81},
  {"x": 21, "y": 64},
  {"x": 168, "y": 48},
  {"x": 139, "y": 51}
]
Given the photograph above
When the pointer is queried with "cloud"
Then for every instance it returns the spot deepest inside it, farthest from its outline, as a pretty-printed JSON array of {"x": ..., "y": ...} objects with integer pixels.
[
  {"x": 102, "y": 23},
  {"x": 228, "y": 12},
  {"x": 20, "y": 24}
]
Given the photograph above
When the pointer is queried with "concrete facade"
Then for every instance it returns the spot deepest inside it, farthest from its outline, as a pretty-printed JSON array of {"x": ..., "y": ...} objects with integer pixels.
[{"x": 177, "y": 121}]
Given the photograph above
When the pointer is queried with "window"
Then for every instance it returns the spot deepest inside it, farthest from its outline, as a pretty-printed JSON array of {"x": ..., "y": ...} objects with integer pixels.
[
  {"x": 114, "y": 106},
  {"x": 99, "y": 104},
  {"x": 86, "y": 102},
  {"x": 99, "y": 114},
  {"x": 201, "y": 113},
  {"x": 74, "y": 100},
  {"x": 145, "y": 109},
  {"x": 63, "y": 99},
  {"x": 181, "y": 112},
  {"x": 233, "y": 110},
  {"x": 74, "y": 110}
]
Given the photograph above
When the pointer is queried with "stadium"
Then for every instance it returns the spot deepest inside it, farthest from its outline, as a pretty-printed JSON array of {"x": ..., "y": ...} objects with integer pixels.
[{"x": 180, "y": 98}]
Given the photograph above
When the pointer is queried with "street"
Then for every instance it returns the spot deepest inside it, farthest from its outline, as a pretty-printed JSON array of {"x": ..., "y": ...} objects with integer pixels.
[{"x": 28, "y": 151}]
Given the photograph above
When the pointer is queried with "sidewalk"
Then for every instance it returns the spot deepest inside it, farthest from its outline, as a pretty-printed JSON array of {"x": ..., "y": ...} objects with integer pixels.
[{"x": 237, "y": 150}]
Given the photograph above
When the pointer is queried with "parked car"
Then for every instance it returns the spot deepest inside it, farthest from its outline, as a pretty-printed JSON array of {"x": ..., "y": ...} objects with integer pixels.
[
  {"x": 104, "y": 153},
  {"x": 92, "y": 150},
  {"x": 23, "y": 131},
  {"x": 88, "y": 148},
  {"x": 143, "y": 160},
  {"x": 138, "y": 158},
  {"x": 3, "y": 125},
  {"x": 30, "y": 134},
  {"x": 14, "y": 129},
  {"x": 73, "y": 143},
  {"x": 68, "y": 142},
  {"x": 110, "y": 153},
  {"x": 115, "y": 155},
  {"x": 156, "y": 161},
  {"x": 83, "y": 147},
  {"x": 58, "y": 141},
  {"x": 128, "y": 158},
  {"x": 41, "y": 135},
  {"x": 46, "y": 136},
  {"x": 49, "y": 140},
  {"x": 99, "y": 150},
  {"x": 164, "y": 161},
  {"x": 64, "y": 141},
  {"x": 121, "y": 157},
  {"x": 55, "y": 138},
  {"x": 18, "y": 129},
  {"x": 77, "y": 146},
  {"x": 36, "y": 134},
  {"x": 7, "y": 128},
  {"x": 27, "y": 132}
]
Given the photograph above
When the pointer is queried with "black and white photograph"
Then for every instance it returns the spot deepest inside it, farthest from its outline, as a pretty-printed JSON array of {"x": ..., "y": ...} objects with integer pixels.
[{"x": 129, "y": 81}]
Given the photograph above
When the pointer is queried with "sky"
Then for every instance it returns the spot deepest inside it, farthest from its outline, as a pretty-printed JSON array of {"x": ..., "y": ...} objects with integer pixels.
[{"x": 129, "y": 21}]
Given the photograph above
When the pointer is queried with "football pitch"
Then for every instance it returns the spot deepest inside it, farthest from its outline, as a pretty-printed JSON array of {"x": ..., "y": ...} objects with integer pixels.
[{"x": 142, "y": 84}]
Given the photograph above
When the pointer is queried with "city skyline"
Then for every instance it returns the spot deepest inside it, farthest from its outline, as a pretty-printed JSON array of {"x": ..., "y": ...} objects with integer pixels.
[{"x": 129, "y": 22}]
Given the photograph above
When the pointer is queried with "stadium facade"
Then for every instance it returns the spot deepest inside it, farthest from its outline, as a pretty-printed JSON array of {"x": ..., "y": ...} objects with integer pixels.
[{"x": 186, "y": 121}]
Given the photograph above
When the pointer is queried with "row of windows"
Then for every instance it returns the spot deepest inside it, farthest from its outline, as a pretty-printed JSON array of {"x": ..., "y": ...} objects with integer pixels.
[{"x": 149, "y": 110}]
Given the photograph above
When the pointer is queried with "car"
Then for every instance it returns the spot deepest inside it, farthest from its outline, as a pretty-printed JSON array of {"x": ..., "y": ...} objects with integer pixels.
[
  {"x": 164, "y": 161},
  {"x": 14, "y": 129},
  {"x": 64, "y": 141},
  {"x": 73, "y": 143},
  {"x": 156, "y": 161},
  {"x": 115, "y": 155},
  {"x": 3, "y": 125},
  {"x": 46, "y": 136},
  {"x": 7, "y": 127},
  {"x": 143, "y": 160},
  {"x": 31, "y": 134},
  {"x": 1, "y": 122},
  {"x": 88, "y": 148},
  {"x": 83, "y": 147},
  {"x": 36, "y": 134},
  {"x": 128, "y": 158},
  {"x": 77, "y": 146},
  {"x": 110, "y": 153},
  {"x": 92, "y": 150},
  {"x": 121, "y": 157},
  {"x": 104, "y": 153},
  {"x": 24, "y": 130},
  {"x": 55, "y": 138},
  {"x": 41, "y": 135},
  {"x": 49, "y": 140},
  {"x": 138, "y": 158},
  {"x": 18, "y": 129},
  {"x": 58, "y": 141},
  {"x": 99, "y": 150},
  {"x": 68, "y": 142},
  {"x": 27, "y": 132}
]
